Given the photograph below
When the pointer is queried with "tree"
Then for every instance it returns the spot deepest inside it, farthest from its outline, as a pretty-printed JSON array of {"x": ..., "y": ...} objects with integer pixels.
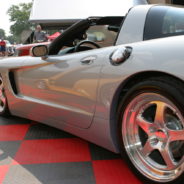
[
  {"x": 11, "y": 39},
  {"x": 2, "y": 33},
  {"x": 19, "y": 16}
]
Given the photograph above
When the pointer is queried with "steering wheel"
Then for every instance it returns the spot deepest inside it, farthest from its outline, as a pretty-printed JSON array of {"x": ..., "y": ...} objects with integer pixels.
[{"x": 84, "y": 42}]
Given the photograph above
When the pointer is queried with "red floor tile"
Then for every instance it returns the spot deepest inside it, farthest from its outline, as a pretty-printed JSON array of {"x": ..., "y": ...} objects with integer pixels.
[
  {"x": 113, "y": 171},
  {"x": 52, "y": 151},
  {"x": 13, "y": 132},
  {"x": 3, "y": 172}
]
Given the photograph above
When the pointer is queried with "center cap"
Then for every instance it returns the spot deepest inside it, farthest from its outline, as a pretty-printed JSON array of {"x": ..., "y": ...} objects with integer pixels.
[{"x": 161, "y": 135}]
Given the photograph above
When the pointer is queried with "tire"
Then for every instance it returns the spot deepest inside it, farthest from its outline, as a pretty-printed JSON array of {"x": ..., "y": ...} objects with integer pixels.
[
  {"x": 4, "y": 111},
  {"x": 151, "y": 130}
]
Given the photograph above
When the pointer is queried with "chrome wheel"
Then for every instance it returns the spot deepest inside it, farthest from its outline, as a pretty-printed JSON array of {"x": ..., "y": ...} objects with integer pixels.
[
  {"x": 153, "y": 136},
  {"x": 2, "y": 97}
]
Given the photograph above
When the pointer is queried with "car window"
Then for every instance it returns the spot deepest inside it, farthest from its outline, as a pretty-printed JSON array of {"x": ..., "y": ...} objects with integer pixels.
[
  {"x": 164, "y": 22},
  {"x": 101, "y": 35}
]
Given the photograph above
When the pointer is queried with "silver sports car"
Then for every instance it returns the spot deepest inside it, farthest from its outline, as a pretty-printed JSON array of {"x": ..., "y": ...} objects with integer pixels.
[{"x": 115, "y": 81}]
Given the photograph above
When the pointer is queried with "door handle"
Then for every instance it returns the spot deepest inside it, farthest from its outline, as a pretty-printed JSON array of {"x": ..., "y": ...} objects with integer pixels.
[{"x": 88, "y": 60}]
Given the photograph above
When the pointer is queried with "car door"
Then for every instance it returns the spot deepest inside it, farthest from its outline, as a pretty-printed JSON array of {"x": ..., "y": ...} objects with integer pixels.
[{"x": 64, "y": 88}]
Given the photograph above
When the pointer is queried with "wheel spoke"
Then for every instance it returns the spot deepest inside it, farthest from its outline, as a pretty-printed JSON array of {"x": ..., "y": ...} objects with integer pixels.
[
  {"x": 147, "y": 149},
  {"x": 176, "y": 135},
  {"x": 146, "y": 126},
  {"x": 167, "y": 157},
  {"x": 160, "y": 110}
]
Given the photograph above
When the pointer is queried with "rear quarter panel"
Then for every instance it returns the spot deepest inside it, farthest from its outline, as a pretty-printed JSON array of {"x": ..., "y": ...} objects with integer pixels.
[{"x": 160, "y": 55}]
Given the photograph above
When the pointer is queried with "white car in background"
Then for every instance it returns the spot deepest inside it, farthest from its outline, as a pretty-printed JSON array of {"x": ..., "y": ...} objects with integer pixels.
[{"x": 10, "y": 49}]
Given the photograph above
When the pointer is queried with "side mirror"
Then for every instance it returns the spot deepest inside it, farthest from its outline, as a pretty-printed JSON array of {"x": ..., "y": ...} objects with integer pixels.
[{"x": 39, "y": 51}]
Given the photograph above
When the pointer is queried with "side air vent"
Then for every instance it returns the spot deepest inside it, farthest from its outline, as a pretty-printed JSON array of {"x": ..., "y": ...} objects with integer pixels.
[{"x": 12, "y": 82}]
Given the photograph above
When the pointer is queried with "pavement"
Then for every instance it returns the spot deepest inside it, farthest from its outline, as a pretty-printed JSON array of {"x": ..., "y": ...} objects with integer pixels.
[{"x": 33, "y": 153}]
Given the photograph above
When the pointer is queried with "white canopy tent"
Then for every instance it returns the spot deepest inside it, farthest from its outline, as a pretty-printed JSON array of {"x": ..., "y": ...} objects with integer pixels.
[{"x": 70, "y": 11}]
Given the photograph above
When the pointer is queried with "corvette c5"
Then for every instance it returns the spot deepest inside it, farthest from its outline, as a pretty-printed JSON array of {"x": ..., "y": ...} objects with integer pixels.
[{"x": 115, "y": 81}]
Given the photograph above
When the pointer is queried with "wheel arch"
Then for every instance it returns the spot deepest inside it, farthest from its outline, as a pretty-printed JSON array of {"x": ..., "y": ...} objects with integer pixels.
[{"x": 122, "y": 91}]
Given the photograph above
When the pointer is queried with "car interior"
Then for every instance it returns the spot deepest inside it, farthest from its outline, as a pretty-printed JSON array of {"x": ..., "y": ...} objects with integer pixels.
[{"x": 87, "y": 34}]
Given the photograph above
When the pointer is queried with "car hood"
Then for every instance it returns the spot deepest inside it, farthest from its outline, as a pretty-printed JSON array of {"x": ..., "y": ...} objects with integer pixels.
[
  {"x": 11, "y": 62},
  {"x": 18, "y": 62}
]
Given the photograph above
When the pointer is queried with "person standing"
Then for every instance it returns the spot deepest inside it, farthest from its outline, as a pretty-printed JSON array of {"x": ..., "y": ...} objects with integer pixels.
[
  {"x": 3, "y": 47},
  {"x": 39, "y": 35}
]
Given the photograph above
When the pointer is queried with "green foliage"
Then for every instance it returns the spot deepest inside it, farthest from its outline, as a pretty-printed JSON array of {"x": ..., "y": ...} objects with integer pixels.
[
  {"x": 2, "y": 33},
  {"x": 19, "y": 16}
]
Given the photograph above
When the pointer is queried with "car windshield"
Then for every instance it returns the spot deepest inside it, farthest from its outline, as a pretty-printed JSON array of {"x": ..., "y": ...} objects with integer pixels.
[{"x": 163, "y": 22}]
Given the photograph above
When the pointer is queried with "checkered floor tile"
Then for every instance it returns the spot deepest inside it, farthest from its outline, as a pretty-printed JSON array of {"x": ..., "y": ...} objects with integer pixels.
[{"x": 33, "y": 153}]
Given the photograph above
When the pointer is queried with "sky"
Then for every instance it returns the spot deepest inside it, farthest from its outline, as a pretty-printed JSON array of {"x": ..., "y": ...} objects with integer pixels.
[{"x": 4, "y": 6}]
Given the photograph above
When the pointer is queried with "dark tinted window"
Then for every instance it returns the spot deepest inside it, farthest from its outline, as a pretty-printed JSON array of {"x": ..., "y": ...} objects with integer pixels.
[
  {"x": 164, "y": 22},
  {"x": 179, "y": 2}
]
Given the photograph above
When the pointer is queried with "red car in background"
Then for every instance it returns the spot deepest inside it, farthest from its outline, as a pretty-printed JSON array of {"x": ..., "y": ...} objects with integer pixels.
[{"x": 24, "y": 50}]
